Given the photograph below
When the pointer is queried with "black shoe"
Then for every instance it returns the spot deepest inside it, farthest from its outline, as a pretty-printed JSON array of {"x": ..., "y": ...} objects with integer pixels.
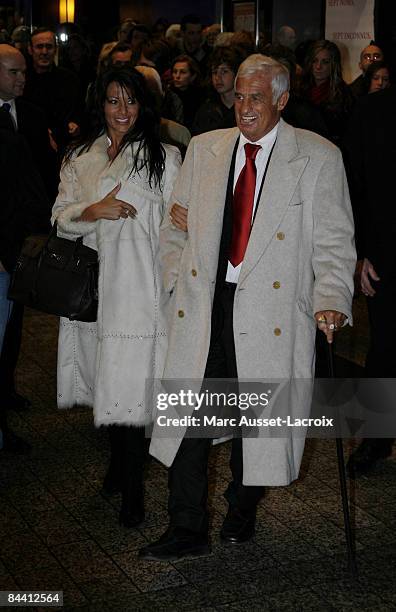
[
  {"x": 14, "y": 444},
  {"x": 17, "y": 402},
  {"x": 237, "y": 528},
  {"x": 365, "y": 457},
  {"x": 176, "y": 543}
]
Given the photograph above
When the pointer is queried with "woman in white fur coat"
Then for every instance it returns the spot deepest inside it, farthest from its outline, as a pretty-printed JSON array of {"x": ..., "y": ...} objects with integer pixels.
[{"x": 115, "y": 183}]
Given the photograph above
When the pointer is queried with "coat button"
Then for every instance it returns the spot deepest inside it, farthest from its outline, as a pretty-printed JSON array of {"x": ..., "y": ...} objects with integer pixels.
[
  {"x": 194, "y": 272},
  {"x": 181, "y": 313},
  {"x": 276, "y": 285},
  {"x": 280, "y": 236},
  {"x": 277, "y": 331}
]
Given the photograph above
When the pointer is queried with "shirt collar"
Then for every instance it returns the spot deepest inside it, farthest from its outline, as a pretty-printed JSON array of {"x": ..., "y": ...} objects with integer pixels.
[
  {"x": 11, "y": 103},
  {"x": 265, "y": 142}
]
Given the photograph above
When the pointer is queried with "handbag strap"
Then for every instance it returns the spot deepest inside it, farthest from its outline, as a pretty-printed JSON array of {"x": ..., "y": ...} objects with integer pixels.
[{"x": 54, "y": 232}]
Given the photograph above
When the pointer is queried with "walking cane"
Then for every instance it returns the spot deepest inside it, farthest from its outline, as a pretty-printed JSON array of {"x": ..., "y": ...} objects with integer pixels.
[{"x": 343, "y": 487}]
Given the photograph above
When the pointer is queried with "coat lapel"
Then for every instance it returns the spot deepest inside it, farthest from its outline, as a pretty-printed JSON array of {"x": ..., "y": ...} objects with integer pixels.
[
  {"x": 213, "y": 190},
  {"x": 284, "y": 172}
]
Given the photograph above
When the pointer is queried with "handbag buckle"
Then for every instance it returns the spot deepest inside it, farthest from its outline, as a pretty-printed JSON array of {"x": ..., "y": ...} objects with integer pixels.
[{"x": 55, "y": 256}]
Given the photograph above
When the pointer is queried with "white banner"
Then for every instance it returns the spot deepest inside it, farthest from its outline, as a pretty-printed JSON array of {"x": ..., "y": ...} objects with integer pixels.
[{"x": 350, "y": 24}]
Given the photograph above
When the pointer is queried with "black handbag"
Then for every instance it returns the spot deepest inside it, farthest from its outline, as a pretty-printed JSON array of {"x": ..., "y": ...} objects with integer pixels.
[{"x": 57, "y": 276}]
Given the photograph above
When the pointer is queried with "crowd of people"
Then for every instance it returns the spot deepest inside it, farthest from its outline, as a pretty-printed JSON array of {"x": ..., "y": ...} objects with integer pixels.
[{"x": 223, "y": 265}]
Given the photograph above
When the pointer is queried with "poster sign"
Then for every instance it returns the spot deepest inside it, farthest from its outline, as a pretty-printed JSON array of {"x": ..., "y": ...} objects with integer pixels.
[
  {"x": 244, "y": 13},
  {"x": 350, "y": 24}
]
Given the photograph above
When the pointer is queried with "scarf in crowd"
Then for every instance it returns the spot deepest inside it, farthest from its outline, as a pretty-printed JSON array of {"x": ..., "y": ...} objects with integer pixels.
[{"x": 320, "y": 93}]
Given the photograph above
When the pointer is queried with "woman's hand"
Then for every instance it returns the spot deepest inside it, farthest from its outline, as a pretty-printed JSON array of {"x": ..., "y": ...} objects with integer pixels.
[
  {"x": 109, "y": 208},
  {"x": 178, "y": 217}
]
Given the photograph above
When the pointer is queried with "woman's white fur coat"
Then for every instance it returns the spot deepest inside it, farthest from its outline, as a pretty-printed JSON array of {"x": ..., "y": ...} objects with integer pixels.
[{"x": 109, "y": 364}]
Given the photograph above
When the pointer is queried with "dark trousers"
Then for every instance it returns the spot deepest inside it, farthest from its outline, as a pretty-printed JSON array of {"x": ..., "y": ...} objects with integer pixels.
[
  {"x": 11, "y": 347},
  {"x": 9, "y": 359},
  {"x": 188, "y": 476}
]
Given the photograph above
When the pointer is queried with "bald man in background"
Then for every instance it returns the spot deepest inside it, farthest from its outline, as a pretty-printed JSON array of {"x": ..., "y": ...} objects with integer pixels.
[
  {"x": 371, "y": 53},
  {"x": 26, "y": 118},
  {"x": 27, "y": 121}
]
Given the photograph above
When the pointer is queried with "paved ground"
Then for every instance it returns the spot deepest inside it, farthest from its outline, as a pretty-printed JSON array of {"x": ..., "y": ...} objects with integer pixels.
[{"x": 58, "y": 532}]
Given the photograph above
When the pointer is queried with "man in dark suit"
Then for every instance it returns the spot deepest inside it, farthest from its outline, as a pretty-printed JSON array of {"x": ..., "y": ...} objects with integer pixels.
[
  {"x": 23, "y": 211},
  {"x": 371, "y": 53},
  {"x": 371, "y": 157},
  {"x": 54, "y": 89},
  {"x": 28, "y": 121}
]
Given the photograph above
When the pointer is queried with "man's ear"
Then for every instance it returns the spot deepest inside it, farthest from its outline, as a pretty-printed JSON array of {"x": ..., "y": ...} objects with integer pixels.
[
  {"x": 280, "y": 105},
  {"x": 30, "y": 50}
]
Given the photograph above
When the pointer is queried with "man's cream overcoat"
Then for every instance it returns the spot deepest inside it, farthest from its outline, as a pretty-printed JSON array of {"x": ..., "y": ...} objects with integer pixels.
[{"x": 300, "y": 259}]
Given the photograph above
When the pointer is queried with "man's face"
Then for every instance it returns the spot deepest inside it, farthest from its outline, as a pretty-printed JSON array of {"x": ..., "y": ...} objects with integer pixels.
[
  {"x": 192, "y": 36},
  {"x": 255, "y": 112},
  {"x": 12, "y": 75},
  {"x": 370, "y": 54},
  {"x": 42, "y": 50}
]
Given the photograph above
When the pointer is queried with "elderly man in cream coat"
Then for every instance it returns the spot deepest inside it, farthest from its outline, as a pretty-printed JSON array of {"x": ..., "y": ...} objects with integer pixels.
[{"x": 251, "y": 315}]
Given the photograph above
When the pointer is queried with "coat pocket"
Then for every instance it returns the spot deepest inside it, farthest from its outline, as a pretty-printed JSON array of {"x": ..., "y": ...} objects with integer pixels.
[{"x": 305, "y": 305}]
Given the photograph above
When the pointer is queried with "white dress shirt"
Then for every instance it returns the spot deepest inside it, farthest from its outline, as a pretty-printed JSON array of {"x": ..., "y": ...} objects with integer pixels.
[
  {"x": 12, "y": 110},
  {"x": 266, "y": 143}
]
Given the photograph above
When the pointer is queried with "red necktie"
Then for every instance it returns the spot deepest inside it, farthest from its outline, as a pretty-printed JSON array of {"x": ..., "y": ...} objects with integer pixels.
[{"x": 243, "y": 205}]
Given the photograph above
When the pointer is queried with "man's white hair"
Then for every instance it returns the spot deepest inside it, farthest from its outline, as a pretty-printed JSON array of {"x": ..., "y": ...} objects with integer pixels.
[{"x": 280, "y": 80}]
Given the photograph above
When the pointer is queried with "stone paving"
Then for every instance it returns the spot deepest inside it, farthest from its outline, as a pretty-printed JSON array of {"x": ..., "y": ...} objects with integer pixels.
[{"x": 59, "y": 533}]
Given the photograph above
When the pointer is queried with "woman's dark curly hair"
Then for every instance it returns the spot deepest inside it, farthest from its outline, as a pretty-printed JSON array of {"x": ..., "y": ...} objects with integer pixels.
[{"x": 150, "y": 153}]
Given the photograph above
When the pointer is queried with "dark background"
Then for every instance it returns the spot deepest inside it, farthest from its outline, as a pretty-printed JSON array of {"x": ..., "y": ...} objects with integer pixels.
[{"x": 100, "y": 22}]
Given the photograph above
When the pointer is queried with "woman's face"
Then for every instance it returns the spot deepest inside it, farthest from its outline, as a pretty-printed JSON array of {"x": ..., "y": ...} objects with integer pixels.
[
  {"x": 321, "y": 66},
  {"x": 182, "y": 75},
  {"x": 121, "y": 110},
  {"x": 223, "y": 79},
  {"x": 379, "y": 80}
]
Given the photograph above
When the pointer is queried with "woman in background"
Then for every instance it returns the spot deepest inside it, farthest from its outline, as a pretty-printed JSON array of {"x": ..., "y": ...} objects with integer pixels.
[
  {"x": 323, "y": 86},
  {"x": 185, "y": 84},
  {"x": 377, "y": 77}
]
